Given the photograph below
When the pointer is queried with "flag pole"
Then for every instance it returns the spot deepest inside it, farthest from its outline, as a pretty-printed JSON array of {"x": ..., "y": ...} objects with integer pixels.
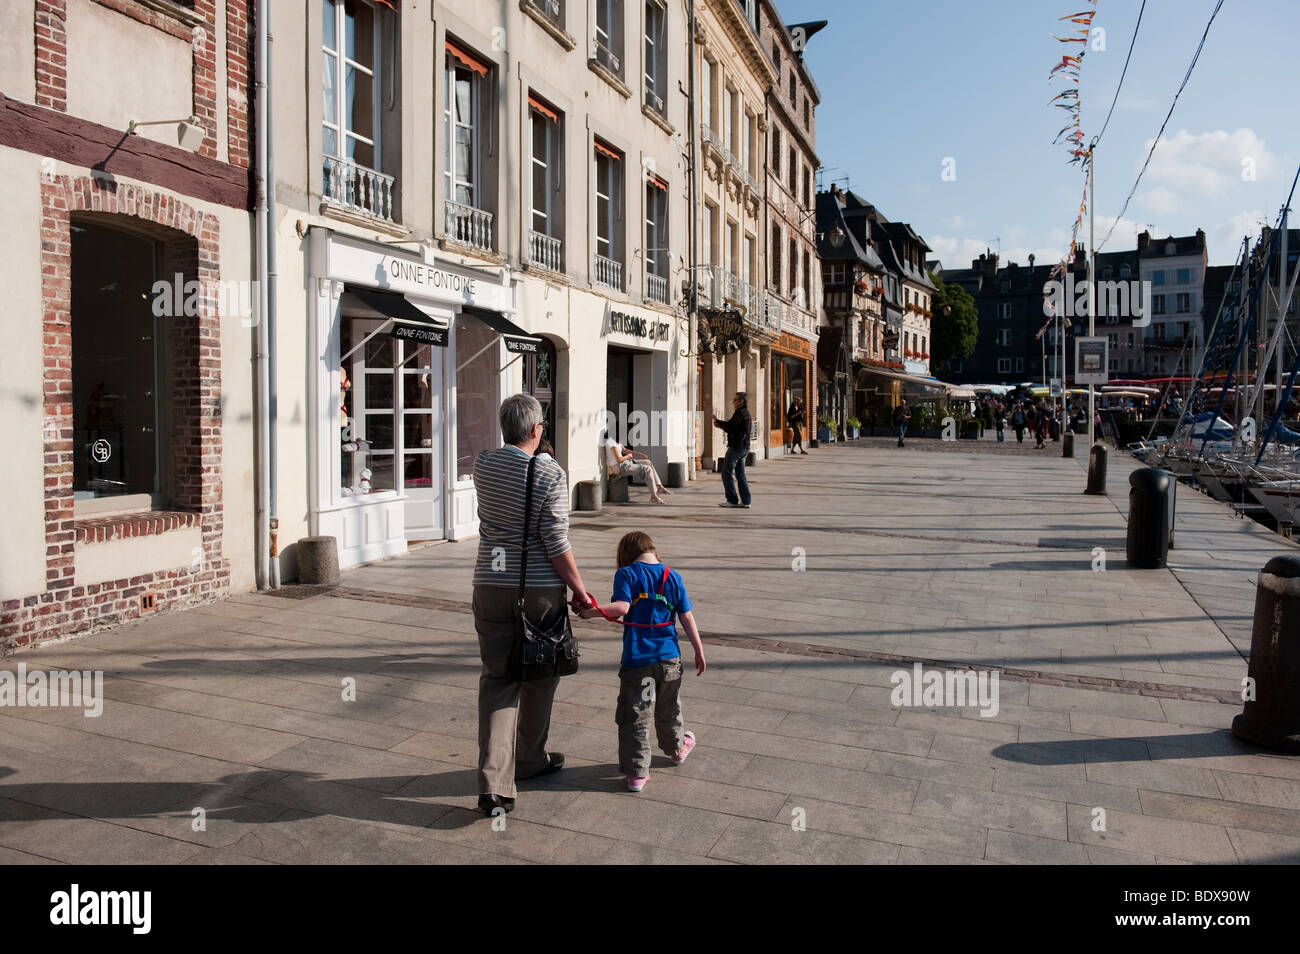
[{"x": 1092, "y": 279}]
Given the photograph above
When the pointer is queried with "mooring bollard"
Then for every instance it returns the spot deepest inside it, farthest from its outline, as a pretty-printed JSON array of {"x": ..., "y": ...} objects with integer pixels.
[
  {"x": 1271, "y": 717},
  {"x": 1067, "y": 444},
  {"x": 1097, "y": 470},
  {"x": 1149, "y": 513}
]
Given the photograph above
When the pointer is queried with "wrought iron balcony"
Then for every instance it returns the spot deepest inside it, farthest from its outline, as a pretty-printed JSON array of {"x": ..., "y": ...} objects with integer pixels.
[
  {"x": 357, "y": 187},
  {"x": 545, "y": 252},
  {"x": 469, "y": 226},
  {"x": 608, "y": 59},
  {"x": 654, "y": 100}
]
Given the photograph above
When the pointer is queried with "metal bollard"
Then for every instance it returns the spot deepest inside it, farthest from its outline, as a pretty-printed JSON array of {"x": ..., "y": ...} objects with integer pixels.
[
  {"x": 1067, "y": 444},
  {"x": 1271, "y": 717},
  {"x": 1149, "y": 512},
  {"x": 1097, "y": 470}
]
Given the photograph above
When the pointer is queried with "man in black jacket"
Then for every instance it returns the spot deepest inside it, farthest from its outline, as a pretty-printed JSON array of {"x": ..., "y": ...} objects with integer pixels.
[{"x": 737, "y": 428}]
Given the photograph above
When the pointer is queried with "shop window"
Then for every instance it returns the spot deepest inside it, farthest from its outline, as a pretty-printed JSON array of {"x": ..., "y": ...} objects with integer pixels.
[
  {"x": 122, "y": 363},
  {"x": 467, "y": 117},
  {"x": 366, "y": 402},
  {"x": 477, "y": 360}
]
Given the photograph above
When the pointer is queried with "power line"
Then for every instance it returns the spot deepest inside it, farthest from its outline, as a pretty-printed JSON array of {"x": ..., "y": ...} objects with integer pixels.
[
  {"x": 1123, "y": 73},
  {"x": 1155, "y": 142}
]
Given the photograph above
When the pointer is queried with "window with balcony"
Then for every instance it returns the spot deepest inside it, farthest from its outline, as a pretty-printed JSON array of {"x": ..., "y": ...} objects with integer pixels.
[
  {"x": 609, "y": 217},
  {"x": 609, "y": 36},
  {"x": 794, "y": 267},
  {"x": 656, "y": 56},
  {"x": 350, "y": 140},
  {"x": 807, "y": 280},
  {"x": 749, "y": 264},
  {"x": 468, "y": 197},
  {"x": 707, "y": 73},
  {"x": 732, "y": 262},
  {"x": 776, "y": 257},
  {"x": 656, "y": 239},
  {"x": 709, "y": 233},
  {"x": 546, "y": 231}
]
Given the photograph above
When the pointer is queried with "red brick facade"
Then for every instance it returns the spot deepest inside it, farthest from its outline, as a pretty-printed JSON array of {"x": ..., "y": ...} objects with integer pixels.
[{"x": 191, "y": 246}]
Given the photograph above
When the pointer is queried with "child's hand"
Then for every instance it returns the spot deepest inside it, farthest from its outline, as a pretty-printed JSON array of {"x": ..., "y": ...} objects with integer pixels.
[
  {"x": 700, "y": 664},
  {"x": 589, "y": 612}
]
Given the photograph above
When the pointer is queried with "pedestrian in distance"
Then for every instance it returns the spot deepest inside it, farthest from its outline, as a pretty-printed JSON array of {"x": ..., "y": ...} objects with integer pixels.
[
  {"x": 514, "y": 717},
  {"x": 902, "y": 414},
  {"x": 1018, "y": 421},
  {"x": 737, "y": 428},
  {"x": 1002, "y": 427},
  {"x": 648, "y": 596},
  {"x": 794, "y": 419}
]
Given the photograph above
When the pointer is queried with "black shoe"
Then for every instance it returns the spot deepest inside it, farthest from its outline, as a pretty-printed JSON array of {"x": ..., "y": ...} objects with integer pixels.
[
  {"x": 488, "y": 804},
  {"x": 554, "y": 764}
]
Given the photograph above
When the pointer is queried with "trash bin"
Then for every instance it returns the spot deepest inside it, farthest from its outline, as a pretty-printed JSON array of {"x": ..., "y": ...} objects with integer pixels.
[
  {"x": 1067, "y": 444},
  {"x": 1271, "y": 717},
  {"x": 1149, "y": 512},
  {"x": 1096, "y": 470}
]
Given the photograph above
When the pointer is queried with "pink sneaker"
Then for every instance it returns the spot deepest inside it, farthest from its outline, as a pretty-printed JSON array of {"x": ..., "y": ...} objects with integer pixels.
[
  {"x": 685, "y": 750},
  {"x": 636, "y": 782}
]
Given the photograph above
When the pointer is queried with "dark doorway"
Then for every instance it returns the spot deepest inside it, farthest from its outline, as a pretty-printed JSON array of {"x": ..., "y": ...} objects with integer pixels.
[{"x": 618, "y": 389}]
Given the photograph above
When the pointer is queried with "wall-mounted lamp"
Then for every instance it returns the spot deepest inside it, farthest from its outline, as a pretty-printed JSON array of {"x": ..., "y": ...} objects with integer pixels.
[{"x": 189, "y": 134}]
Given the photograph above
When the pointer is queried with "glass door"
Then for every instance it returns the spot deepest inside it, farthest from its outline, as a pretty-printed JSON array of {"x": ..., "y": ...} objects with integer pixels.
[{"x": 421, "y": 411}]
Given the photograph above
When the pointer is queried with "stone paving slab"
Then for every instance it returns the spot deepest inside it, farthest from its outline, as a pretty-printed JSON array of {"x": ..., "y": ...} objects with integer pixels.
[{"x": 1117, "y": 687}]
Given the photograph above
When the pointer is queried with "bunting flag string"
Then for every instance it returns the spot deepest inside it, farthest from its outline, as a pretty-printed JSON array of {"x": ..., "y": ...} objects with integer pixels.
[{"x": 1071, "y": 134}]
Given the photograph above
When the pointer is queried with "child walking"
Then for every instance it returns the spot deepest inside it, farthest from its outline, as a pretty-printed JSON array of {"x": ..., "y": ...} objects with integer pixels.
[{"x": 647, "y": 594}]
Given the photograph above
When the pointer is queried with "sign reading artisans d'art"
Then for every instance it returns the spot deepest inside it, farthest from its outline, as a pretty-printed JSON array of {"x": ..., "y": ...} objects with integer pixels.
[{"x": 638, "y": 327}]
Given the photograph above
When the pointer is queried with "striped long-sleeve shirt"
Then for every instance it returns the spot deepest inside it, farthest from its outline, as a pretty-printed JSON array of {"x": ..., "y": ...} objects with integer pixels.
[{"x": 500, "y": 480}]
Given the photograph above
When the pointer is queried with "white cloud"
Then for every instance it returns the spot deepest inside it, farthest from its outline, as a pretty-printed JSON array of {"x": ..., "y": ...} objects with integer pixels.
[
  {"x": 1224, "y": 240},
  {"x": 1189, "y": 168},
  {"x": 954, "y": 222}
]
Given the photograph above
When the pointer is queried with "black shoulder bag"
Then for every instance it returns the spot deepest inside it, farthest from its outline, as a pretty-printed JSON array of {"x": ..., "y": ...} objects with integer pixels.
[{"x": 540, "y": 652}]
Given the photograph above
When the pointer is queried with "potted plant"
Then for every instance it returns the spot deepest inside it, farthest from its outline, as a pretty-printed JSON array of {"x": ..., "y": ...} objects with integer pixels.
[
  {"x": 852, "y": 426},
  {"x": 826, "y": 429}
]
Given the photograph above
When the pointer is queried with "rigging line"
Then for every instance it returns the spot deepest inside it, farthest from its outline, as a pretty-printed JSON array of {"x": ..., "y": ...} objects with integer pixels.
[
  {"x": 1122, "y": 74},
  {"x": 1155, "y": 142}
]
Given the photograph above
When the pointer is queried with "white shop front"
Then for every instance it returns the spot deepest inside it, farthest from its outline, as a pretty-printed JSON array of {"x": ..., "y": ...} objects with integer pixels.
[{"x": 406, "y": 380}]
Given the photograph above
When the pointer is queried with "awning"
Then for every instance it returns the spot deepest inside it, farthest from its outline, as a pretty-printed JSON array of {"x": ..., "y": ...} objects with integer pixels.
[
  {"x": 905, "y": 377},
  {"x": 517, "y": 340},
  {"x": 409, "y": 322}
]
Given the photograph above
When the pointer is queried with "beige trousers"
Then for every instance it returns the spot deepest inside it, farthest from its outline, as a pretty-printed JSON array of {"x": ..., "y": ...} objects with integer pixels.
[{"x": 514, "y": 718}]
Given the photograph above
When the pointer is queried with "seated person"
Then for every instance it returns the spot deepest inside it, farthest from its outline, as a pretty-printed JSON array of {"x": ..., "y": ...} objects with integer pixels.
[{"x": 622, "y": 461}]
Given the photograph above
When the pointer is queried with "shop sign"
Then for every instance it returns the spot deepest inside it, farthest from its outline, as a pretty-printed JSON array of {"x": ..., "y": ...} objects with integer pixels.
[
  {"x": 420, "y": 334},
  {"x": 638, "y": 327},
  {"x": 342, "y": 259},
  {"x": 722, "y": 331}
]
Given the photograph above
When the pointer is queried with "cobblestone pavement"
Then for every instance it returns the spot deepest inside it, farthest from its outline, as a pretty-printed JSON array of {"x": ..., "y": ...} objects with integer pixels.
[{"x": 1110, "y": 742}]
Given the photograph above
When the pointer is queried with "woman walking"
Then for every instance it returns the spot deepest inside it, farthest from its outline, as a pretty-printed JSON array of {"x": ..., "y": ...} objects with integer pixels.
[
  {"x": 514, "y": 718},
  {"x": 794, "y": 419}
]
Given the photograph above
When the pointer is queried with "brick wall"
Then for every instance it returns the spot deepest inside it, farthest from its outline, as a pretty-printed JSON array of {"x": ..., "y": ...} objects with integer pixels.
[{"x": 191, "y": 246}]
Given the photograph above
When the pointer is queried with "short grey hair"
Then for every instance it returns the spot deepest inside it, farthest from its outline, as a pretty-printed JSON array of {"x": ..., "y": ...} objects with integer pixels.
[{"x": 520, "y": 413}]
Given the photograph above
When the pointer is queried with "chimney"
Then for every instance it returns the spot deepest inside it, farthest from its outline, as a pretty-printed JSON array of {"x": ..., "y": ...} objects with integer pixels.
[{"x": 1144, "y": 240}]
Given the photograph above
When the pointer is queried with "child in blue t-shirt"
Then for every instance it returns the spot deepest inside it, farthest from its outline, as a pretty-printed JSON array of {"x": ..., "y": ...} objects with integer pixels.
[{"x": 648, "y": 595}]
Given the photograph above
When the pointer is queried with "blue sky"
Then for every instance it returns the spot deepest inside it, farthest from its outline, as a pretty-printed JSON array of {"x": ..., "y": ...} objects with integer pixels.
[{"x": 905, "y": 85}]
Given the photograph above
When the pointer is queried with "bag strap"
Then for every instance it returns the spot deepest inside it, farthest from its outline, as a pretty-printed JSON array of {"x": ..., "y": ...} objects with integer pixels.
[
  {"x": 528, "y": 503},
  {"x": 663, "y": 580}
]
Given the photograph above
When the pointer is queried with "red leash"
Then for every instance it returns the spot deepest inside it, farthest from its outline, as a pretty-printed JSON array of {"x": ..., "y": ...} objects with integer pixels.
[{"x": 615, "y": 619}]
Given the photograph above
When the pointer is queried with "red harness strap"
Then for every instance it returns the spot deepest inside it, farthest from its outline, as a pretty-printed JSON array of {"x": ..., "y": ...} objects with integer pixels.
[{"x": 615, "y": 619}]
